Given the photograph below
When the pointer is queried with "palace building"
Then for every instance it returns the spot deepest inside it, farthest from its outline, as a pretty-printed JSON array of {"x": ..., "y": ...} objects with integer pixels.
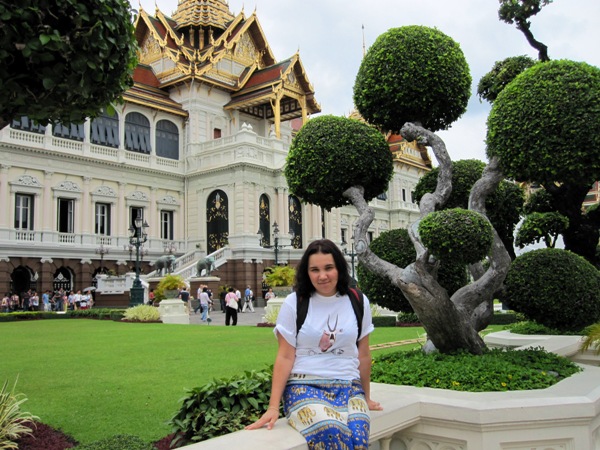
[{"x": 197, "y": 151}]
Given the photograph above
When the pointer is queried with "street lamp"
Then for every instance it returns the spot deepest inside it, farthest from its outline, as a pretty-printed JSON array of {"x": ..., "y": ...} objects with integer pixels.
[
  {"x": 276, "y": 245},
  {"x": 351, "y": 255},
  {"x": 102, "y": 250},
  {"x": 137, "y": 236}
]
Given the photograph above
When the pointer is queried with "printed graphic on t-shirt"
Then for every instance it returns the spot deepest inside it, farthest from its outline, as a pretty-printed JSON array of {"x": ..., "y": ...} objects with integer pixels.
[{"x": 329, "y": 335}]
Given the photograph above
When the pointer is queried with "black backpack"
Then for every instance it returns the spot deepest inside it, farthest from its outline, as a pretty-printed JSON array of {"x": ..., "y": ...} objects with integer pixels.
[{"x": 356, "y": 299}]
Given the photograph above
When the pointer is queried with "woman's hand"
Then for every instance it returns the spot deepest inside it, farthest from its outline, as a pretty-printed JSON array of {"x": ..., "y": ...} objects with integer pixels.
[
  {"x": 269, "y": 418},
  {"x": 374, "y": 406}
]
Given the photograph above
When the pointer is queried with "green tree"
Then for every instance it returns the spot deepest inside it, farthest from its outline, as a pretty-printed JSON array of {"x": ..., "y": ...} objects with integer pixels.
[
  {"x": 545, "y": 128},
  {"x": 518, "y": 12},
  {"x": 536, "y": 227},
  {"x": 554, "y": 287},
  {"x": 503, "y": 206},
  {"x": 503, "y": 72},
  {"x": 413, "y": 74},
  {"x": 64, "y": 60},
  {"x": 410, "y": 74},
  {"x": 329, "y": 141}
]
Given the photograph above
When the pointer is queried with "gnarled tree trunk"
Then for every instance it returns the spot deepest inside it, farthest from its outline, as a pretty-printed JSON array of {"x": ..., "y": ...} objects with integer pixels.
[{"x": 452, "y": 323}]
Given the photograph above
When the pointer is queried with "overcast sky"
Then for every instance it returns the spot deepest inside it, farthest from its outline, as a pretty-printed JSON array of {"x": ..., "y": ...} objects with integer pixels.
[{"x": 329, "y": 36}]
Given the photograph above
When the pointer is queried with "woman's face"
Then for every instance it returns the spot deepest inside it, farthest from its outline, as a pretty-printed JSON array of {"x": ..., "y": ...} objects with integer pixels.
[{"x": 323, "y": 273}]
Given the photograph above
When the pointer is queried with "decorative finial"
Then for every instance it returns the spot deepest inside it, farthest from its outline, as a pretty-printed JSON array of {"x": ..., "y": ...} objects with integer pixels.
[{"x": 364, "y": 46}]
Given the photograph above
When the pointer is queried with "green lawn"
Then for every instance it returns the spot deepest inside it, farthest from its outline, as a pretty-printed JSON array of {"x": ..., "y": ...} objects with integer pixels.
[{"x": 94, "y": 379}]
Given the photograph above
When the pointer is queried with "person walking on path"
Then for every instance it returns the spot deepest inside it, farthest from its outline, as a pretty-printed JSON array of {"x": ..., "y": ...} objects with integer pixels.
[
  {"x": 204, "y": 302},
  {"x": 231, "y": 308},
  {"x": 238, "y": 295},
  {"x": 248, "y": 295},
  {"x": 323, "y": 366}
]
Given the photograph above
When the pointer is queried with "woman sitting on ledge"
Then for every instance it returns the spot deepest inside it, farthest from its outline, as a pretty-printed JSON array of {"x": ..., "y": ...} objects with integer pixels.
[{"x": 323, "y": 370}]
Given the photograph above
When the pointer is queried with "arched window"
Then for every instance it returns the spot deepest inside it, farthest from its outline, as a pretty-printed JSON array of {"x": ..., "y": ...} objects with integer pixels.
[
  {"x": 25, "y": 123},
  {"x": 264, "y": 219},
  {"x": 167, "y": 139},
  {"x": 137, "y": 133},
  {"x": 72, "y": 131},
  {"x": 295, "y": 220},
  {"x": 104, "y": 130},
  {"x": 217, "y": 221}
]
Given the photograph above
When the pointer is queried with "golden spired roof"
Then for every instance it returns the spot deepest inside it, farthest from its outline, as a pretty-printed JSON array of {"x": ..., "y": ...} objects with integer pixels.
[{"x": 205, "y": 13}]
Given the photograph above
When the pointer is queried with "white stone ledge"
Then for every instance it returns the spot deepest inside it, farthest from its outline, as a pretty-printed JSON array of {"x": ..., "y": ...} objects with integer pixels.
[{"x": 565, "y": 416}]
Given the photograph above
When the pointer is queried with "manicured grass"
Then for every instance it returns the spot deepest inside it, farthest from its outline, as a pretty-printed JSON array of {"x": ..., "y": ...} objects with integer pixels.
[{"x": 95, "y": 379}]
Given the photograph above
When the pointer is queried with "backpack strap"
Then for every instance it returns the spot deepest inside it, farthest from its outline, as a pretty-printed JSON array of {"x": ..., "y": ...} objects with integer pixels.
[
  {"x": 301, "y": 312},
  {"x": 356, "y": 299}
]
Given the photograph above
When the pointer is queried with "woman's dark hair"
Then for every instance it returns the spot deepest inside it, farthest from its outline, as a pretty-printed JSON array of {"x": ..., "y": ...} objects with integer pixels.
[{"x": 304, "y": 287}]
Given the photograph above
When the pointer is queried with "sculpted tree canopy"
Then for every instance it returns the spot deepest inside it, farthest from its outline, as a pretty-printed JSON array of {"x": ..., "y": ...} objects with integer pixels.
[
  {"x": 545, "y": 128},
  {"x": 413, "y": 74},
  {"x": 503, "y": 206},
  {"x": 416, "y": 74},
  {"x": 64, "y": 60},
  {"x": 503, "y": 72},
  {"x": 328, "y": 142}
]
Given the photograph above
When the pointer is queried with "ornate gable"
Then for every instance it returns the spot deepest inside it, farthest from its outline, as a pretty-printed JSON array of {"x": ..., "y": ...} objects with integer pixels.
[{"x": 203, "y": 41}]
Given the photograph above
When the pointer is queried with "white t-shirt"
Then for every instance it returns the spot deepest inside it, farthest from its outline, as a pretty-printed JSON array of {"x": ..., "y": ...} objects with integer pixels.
[{"x": 326, "y": 344}]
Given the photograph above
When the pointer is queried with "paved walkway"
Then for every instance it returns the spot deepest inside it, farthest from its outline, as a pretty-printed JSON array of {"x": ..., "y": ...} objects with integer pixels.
[{"x": 218, "y": 317}]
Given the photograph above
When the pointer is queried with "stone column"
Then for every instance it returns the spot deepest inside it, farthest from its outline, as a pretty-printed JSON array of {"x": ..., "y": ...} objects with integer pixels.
[{"x": 4, "y": 196}]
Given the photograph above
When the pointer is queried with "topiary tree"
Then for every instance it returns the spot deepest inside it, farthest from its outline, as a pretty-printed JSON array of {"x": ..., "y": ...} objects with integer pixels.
[
  {"x": 457, "y": 235},
  {"x": 519, "y": 12},
  {"x": 411, "y": 74},
  {"x": 64, "y": 60},
  {"x": 503, "y": 72},
  {"x": 541, "y": 226},
  {"x": 503, "y": 206},
  {"x": 554, "y": 287},
  {"x": 545, "y": 127},
  {"x": 329, "y": 141}
]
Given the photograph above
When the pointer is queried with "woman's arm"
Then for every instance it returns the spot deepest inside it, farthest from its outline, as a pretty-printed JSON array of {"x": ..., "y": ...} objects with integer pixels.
[
  {"x": 364, "y": 368},
  {"x": 286, "y": 355}
]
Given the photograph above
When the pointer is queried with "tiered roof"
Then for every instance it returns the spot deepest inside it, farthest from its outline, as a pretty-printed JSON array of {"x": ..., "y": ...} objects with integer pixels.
[{"x": 204, "y": 41}]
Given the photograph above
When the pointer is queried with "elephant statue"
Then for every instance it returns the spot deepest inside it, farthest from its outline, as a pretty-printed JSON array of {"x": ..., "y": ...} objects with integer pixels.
[
  {"x": 165, "y": 262},
  {"x": 207, "y": 264}
]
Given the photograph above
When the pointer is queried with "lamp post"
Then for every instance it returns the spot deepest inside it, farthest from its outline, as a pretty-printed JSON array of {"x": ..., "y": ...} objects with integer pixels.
[
  {"x": 276, "y": 245},
  {"x": 137, "y": 236},
  {"x": 102, "y": 250},
  {"x": 352, "y": 254}
]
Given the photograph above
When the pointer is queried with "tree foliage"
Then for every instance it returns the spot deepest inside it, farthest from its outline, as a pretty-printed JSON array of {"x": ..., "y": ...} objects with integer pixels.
[
  {"x": 64, "y": 60},
  {"x": 503, "y": 206},
  {"x": 328, "y": 142},
  {"x": 545, "y": 128},
  {"x": 545, "y": 125},
  {"x": 456, "y": 235},
  {"x": 554, "y": 287},
  {"x": 536, "y": 227},
  {"x": 503, "y": 72},
  {"x": 519, "y": 12},
  {"x": 413, "y": 74}
]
